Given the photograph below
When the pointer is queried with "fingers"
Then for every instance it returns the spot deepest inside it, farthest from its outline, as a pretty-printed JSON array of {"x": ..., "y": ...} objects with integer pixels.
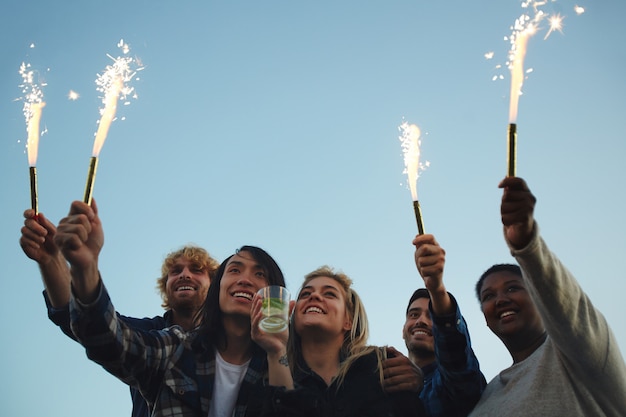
[
  {"x": 79, "y": 207},
  {"x": 94, "y": 206},
  {"x": 400, "y": 374},
  {"x": 424, "y": 239},
  {"x": 430, "y": 259},
  {"x": 518, "y": 203},
  {"x": 393, "y": 352},
  {"x": 391, "y": 387},
  {"x": 73, "y": 231}
]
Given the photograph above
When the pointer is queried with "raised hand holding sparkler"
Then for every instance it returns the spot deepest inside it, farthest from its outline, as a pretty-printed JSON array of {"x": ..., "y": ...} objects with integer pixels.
[
  {"x": 410, "y": 141},
  {"x": 33, "y": 103},
  {"x": 113, "y": 84}
]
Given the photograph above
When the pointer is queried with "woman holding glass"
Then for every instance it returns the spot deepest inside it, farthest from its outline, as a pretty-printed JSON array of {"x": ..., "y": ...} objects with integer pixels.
[{"x": 321, "y": 365}]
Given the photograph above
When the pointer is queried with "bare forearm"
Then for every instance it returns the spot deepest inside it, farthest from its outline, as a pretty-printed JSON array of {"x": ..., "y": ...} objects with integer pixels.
[
  {"x": 279, "y": 372},
  {"x": 85, "y": 283},
  {"x": 56, "y": 279},
  {"x": 441, "y": 302}
]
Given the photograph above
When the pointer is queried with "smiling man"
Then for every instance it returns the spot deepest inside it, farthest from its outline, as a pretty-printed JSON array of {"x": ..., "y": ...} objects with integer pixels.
[
  {"x": 185, "y": 279},
  {"x": 436, "y": 335}
]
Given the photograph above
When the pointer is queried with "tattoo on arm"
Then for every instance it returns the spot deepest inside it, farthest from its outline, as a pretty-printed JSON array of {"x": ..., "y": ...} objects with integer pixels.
[{"x": 283, "y": 360}]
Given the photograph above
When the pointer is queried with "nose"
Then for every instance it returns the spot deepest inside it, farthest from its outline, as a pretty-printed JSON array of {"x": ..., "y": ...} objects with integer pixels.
[
  {"x": 422, "y": 320},
  {"x": 245, "y": 279},
  {"x": 185, "y": 273},
  {"x": 315, "y": 295},
  {"x": 502, "y": 298}
]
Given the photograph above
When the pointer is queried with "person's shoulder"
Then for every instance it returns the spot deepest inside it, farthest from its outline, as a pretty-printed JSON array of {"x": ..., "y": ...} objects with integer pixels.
[{"x": 145, "y": 323}]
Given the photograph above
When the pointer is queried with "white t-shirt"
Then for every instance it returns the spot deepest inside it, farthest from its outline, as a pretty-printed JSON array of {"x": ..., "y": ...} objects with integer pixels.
[{"x": 228, "y": 379}]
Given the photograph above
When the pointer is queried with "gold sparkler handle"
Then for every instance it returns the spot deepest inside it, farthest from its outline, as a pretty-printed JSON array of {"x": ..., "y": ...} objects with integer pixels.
[
  {"x": 512, "y": 149},
  {"x": 34, "y": 201},
  {"x": 91, "y": 178},
  {"x": 418, "y": 217}
]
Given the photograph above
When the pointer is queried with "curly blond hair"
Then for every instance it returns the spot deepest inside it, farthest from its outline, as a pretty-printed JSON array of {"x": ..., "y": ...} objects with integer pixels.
[{"x": 194, "y": 254}]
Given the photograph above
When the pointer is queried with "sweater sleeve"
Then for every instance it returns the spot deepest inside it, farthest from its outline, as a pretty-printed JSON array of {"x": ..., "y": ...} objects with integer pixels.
[{"x": 577, "y": 328}]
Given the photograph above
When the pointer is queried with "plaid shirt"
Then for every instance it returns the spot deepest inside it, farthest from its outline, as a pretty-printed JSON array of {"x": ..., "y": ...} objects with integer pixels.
[
  {"x": 173, "y": 370},
  {"x": 454, "y": 383},
  {"x": 61, "y": 317}
]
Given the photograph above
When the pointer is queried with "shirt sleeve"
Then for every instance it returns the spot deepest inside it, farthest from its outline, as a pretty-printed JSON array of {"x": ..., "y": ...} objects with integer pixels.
[
  {"x": 136, "y": 357},
  {"x": 457, "y": 382}
]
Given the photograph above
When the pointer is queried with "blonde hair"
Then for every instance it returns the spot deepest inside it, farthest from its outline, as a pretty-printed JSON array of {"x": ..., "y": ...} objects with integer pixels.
[
  {"x": 194, "y": 254},
  {"x": 355, "y": 340}
]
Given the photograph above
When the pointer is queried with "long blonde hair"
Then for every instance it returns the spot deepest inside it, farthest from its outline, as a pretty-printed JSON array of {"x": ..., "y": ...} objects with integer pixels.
[{"x": 355, "y": 340}]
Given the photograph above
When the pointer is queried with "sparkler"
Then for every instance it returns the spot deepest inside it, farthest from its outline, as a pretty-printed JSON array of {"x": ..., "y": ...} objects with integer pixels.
[
  {"x": 410, "y": 141},
  {"x": 525, "y": 26},
  {"x": 113, "y": 84},
  {"x": 32, "y": 95}
]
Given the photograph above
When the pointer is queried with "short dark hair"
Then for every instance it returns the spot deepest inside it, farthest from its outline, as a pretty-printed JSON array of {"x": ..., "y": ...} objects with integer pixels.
[
  {"x": 515, "y": 269},
  {"x": 419, "y": 293}
]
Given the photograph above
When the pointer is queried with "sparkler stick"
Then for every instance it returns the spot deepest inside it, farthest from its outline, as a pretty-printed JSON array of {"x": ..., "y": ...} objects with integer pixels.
[
  {"x": 33, "y": 103},
  {"x": 418, "y": 217},
  {"x": 91, "y": 179},
  {"x": 113, "y": 84},
  {"x": 34, "y": 200},
  {"x": 410, "y": 140},
  {"x": 512, "y": 149}
]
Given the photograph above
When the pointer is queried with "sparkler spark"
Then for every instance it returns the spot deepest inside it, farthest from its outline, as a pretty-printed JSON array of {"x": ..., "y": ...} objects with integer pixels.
[
  {"x": 410, "y": 142},
  {"x": 525, "y": 26},
  {"x": 556, "y": 23},
  {"x": 32, "y": 95},
  {"x": 113, "y": 83},
  {"x": 530, "y": 22}
]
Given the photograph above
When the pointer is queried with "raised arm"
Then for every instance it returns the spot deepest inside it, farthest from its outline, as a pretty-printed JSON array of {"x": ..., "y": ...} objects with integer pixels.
[
  {"x": 430, "y": 259},
  {"x": 37, "y": 242},
  {"x": 80, "y": 238},
  {"x": 574, "y": 324}
]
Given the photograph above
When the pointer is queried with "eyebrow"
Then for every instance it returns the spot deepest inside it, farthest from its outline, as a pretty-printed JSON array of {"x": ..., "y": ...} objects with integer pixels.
[
  {"x": 256, "y": 266},
  {"x": 507, "y": 282},
  {"x": 233, "y": 262},
  {"x": 323, "y": 287}
]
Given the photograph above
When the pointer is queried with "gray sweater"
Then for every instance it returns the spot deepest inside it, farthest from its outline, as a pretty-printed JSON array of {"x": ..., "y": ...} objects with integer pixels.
[{"x": 578, "y": 370}]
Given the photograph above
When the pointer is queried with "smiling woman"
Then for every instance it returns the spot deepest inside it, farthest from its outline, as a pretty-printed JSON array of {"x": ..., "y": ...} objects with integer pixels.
[
  {"x": 565, "y": 359},
  {"x": 335, "y": 371}
]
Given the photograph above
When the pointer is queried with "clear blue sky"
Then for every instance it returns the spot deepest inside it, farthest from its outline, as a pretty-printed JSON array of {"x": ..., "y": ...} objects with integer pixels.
[{"x": 275, "y": 123}]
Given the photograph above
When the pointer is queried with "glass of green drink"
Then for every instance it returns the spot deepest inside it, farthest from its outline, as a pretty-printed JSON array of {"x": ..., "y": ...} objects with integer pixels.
[{"x": 275, "y": 308}]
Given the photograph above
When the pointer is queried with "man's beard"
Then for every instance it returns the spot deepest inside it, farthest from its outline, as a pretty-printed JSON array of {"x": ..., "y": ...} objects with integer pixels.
[{"x": 421, "y": 350}]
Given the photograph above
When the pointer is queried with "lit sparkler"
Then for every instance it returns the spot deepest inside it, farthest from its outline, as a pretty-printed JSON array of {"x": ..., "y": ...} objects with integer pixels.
[
  {"x": 525, "y": 26},
  {"x": 32, "y": 95},
  {"x": 113, "y": 83},
  {"x": 410, "y": 141}
]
